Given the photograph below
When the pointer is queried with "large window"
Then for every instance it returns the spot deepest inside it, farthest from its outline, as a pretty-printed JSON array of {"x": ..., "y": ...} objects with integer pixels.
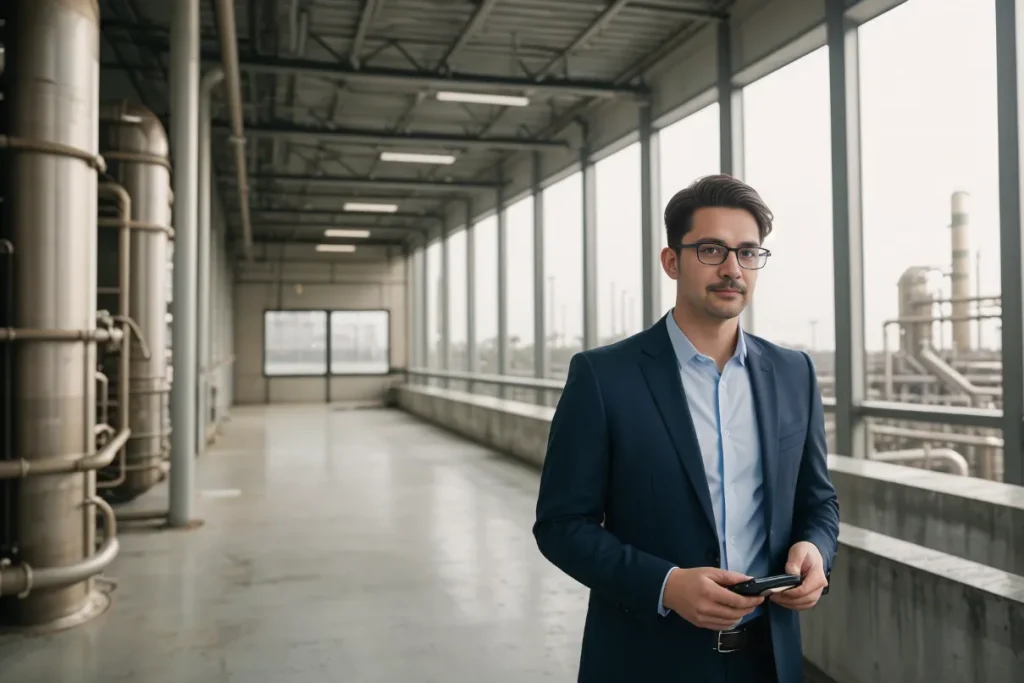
[
  {"x": 688, "y": 149},
  {"x": 457, "y": 283},
  {"x": 519, "y": 217},
  {"x": 360, "y": 342},
  {"x": 931, "y": 223},
  {"x": 619, "y": 253},
  {"x": 485, "y": 279},
  {"x": 563, "y": 271},
  {"x": 788, "y": 161},
  {"x": 294, "y": 343}
]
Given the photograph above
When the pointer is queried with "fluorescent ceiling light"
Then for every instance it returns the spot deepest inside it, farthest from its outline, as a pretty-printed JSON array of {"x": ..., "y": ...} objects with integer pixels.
[
  {"x": 336, "y": 232},
  {"x": 414, "y": 158},
  {"x": 483, "y": 98},
  {"x": 337, "y": 248},
  {"x": 372, "y": 208}
]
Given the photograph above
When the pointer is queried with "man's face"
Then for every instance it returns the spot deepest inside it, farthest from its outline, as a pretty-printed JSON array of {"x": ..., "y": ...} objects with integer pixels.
[{"x": 720, "y": 291}]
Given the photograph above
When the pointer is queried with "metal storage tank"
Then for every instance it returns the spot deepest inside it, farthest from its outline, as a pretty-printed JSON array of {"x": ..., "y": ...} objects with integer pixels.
[{"x": 135, "y": 146}]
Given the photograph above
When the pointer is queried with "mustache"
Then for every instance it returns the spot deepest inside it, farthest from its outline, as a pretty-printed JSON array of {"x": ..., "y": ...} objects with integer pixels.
[{"x": 729, "y": 283}]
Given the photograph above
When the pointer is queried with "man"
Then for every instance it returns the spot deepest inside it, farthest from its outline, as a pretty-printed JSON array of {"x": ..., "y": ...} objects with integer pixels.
[{"x": 689, "y": 458}]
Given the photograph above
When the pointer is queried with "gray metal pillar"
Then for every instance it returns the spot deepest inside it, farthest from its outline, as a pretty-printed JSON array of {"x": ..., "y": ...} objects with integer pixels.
[
  {"x": 473, "y": 362},
  {"x": 540, "y": 332},
  {"x": 650, "y": 218},
  {"x": 1009, "y": 52},
  {"x": 848, "y": 252},
  {"x": 209, "y": 81},
  {"x": 589, "y": 176},
  {"x": 502, "y": 287},
  {"x": 185, "y": 149},
  {"x": 730, "y": 129},
  {"x": 444, "y": 351},
  {"x": 424, "y": 301}
]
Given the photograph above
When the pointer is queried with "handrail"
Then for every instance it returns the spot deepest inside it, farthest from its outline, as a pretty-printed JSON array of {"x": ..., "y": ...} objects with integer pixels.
[{"x": 945, "y": 415}]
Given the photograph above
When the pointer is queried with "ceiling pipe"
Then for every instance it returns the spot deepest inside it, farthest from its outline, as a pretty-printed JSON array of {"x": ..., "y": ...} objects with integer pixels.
[{"x": 229, "y": 58}]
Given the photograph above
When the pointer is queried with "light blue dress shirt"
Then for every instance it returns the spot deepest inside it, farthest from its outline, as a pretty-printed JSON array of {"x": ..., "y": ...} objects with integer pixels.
[{"x": 722, "y": 408}]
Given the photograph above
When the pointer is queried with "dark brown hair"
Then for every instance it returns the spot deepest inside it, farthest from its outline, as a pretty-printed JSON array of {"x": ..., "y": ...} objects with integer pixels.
[{"x": 713, "y": 190}]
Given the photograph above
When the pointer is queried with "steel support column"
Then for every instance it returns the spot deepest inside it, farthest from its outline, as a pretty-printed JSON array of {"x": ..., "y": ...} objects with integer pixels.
[
  {"x": 473, "y": 363},
  {"x": 185, "y": 145},
  {"x": 540, "y": 355},
  {"x": 502, "y": 288},
  {"x": 589, "y": 178},
  {"x": 730, "y": 128},
  {"x": 423, "y": 278},
  {"x": 1009, "y": 50},
  {"x": 650, "y": 218},
  {"x": 444, "y": 353},
  {"x": 209, "y": 81},
  {"x": 472, "y": 360},
  {"x": 848, "y": 253}
]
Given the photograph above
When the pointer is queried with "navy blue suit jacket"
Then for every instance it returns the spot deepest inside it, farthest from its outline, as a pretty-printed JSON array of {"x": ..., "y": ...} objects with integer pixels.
[{"x": 623, "y": 498}]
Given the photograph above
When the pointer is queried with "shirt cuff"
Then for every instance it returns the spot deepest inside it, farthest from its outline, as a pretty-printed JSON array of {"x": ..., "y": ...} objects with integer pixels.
[{"x": 662, "y": 610}]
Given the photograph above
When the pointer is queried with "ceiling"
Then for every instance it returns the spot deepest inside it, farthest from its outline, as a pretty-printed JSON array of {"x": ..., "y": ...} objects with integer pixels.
[{"x": 328, "y": 86}]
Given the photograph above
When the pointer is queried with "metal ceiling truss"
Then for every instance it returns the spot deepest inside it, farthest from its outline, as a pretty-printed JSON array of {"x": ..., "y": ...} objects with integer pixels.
[{"x": 271, "y": 50}]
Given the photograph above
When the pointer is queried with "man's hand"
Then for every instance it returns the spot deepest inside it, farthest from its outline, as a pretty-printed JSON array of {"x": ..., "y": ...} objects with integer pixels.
[
  {"x": 804, "y": 559},
  {"x": 701, "y": 597}
]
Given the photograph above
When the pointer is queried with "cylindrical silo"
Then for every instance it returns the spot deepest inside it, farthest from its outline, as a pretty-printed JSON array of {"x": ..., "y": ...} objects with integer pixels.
[
  {"x": 913, "y": 290},
  {"x": 134, "y": 144},
  {"x": 52, "y": 59},
  {"x": 961, "y": 280}
]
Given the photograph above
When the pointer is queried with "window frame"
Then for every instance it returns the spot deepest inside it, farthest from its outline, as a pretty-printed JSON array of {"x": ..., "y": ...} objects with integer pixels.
[{"x": 327, "y": 358}]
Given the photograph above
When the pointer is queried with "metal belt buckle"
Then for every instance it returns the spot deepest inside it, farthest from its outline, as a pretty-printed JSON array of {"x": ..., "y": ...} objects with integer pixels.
[{"x": 718, "y": 642}]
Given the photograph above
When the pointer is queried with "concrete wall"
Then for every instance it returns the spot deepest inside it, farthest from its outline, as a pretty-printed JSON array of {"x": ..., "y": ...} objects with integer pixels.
[
  {"x": 896, "y": 611},
  {"x": 296, "y": 277},
  {"x": 971, "y": 518}
]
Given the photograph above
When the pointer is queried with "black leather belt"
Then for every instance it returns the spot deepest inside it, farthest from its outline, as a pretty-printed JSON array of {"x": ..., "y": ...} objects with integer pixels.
[{"x": 741, "y": 637}]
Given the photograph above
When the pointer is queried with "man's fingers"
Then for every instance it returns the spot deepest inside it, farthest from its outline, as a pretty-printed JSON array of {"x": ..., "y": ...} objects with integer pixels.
[{"x": 724, "y": 596}]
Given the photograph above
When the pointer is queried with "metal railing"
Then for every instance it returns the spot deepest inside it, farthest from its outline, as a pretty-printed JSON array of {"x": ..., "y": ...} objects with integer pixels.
[{"x": 892, "y": 410}]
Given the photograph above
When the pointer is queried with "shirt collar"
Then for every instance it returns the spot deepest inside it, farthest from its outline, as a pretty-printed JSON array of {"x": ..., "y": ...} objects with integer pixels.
[{"x": 686, "y": 351}]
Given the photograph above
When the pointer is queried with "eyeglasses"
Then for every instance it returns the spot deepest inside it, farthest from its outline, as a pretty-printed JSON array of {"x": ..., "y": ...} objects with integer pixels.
[{"x": 713, "y": 254}]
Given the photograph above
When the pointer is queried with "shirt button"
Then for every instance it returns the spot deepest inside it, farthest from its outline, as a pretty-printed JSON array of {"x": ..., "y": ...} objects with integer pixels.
[{"x": 727, "y": 432}]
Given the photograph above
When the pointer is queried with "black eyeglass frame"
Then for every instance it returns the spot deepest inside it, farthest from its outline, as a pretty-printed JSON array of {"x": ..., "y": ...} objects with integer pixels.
[{"x": 762, "y": 254}]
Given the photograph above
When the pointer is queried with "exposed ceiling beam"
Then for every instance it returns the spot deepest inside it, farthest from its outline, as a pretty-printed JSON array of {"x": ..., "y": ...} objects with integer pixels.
[
  {"x": 589, "y": 32},
  {"x": 385, "y": 139},
  {"x": 397, "y": 78},
  {"x": 474, "y": 24},
  {"x": 341, "y": 182},
  {"x": 369, "y": 9},
  {"x": 297, "y": 228},
  {"x": 354, "y": 214}
]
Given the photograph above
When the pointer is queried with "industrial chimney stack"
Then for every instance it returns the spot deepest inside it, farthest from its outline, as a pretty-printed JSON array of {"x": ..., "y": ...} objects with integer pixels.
[{"x": 960, "y": 279}]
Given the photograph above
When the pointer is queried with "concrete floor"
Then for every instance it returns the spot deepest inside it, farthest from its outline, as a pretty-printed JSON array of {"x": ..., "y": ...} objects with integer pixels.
[{"x": 363, "y": 547}]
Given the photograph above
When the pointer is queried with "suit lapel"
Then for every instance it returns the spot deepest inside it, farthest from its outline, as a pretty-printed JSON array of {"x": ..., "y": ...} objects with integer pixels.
[
  {"x": 762, "y": 379},
  {"x": 661, "y": 372}
]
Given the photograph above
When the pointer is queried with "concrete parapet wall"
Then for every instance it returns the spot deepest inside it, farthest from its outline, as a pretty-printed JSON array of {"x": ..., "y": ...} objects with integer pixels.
[
  {"x": 971, "y": 518},
  {"x": 900, "y": 613},
  {"x": 896, "y": 612}
]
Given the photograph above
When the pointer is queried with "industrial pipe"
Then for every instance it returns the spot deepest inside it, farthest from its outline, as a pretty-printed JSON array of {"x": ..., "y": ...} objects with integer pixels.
[
  {"x": 949, "y": 376},
  {"x": 945, "y": 459},
  {"x": 210, "y": 80},
  {"x": 229, "y": 58},
  {"x": 21, "y": 468},
  {"x": 22, "y": 579}
]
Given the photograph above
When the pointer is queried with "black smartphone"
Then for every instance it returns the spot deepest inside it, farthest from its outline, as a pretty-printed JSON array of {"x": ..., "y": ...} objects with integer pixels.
[{"x": 767, "y": 585}]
